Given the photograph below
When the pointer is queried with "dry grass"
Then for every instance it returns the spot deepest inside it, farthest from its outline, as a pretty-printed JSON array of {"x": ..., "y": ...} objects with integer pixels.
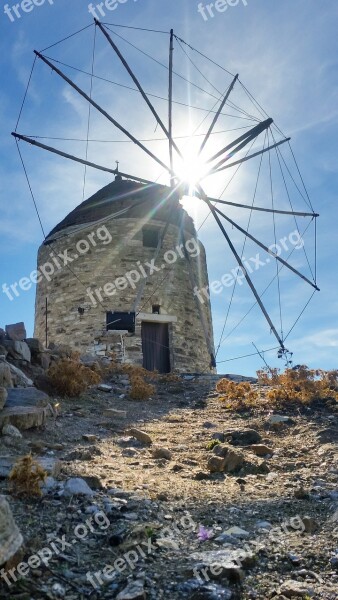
[{"x": 26, "y": 477}]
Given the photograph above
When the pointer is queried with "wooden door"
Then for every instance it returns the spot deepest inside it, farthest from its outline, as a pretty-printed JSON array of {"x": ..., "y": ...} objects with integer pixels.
[{"x": 155, "y": 347}]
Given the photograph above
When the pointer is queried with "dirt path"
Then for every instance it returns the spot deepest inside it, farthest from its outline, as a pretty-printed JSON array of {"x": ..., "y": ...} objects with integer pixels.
[{"x": 285, "y": 505}]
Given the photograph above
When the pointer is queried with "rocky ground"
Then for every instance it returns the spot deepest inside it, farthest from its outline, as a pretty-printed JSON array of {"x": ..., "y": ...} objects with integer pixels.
[{"x": 209, "y": 505}]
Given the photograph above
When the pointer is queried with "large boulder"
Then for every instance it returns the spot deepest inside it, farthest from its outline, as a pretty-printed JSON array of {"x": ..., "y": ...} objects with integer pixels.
[
  {"x": 3, "y": 397},
  {"x": 227, "y": 459},
  {"x": 43, "y": 359},
  {"x": 3, "y": 351},
  {"x": 10, "y": 536},
  {"x": 216, "y": 464},
  {"x": 243, "y": 437},
  {"x": 296, "y": 589},
  {"x": 24, "y": 417},
  {"x": 16, "y": 332},
  {"x": 40, "y": 356},
  {"x": 5, "y": 375},
  {"x": 17, "y": 350},
  {"x": 35, "y": 345},
  {"x": 29, "y": 396},
  {"x": 233, "y": 460},
  {"x": 19, "y": 377}
]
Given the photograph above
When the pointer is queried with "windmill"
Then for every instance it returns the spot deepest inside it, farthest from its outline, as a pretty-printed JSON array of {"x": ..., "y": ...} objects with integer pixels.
[{"x": 234, "y": 151}]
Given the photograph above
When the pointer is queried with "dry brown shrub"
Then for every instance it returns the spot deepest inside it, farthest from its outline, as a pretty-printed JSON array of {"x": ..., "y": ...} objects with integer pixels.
[
  {"x": 138, "y": 371},
  {"x": 138, "y": 376},
  {"x": 113, "y": 367},
  {"x": 237, "y": 395},
  {"x": 26, "y": 477},
  {"x": 140, "y": 389},
  {"x": 70, "y": 378},
  {"x": 267, "y": 376},
  {"x": 302, "y": 385},
  {"x": 170, "y": 378}
]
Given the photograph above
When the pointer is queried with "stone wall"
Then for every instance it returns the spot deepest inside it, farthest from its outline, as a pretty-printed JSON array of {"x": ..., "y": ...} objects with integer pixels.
[{"x": 170, "y": 288}]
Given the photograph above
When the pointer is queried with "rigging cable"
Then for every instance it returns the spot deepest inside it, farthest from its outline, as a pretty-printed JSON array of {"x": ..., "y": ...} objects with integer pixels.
[
  {"x": 40, "y": 221},
  {"x": 68, "y": 37},
  {"x": 89, "y": 114},
  {"x": 177, "y": 137},
  {"x": 262, "y": 294},
  {"x": 196, "y": 67},
  {"x": 204, "y": 56},
  {"x": 165, "y": 66},
  {"x": 26, "y": 92},
  {"x": 223, "y": 69},
  {"x": 293, "y": 179},
  {"x": 301, "y": 314},
  {"x": 30, "y": 188},
  {"x": 251, "y": 117},
  {"x": 242, "y": 254},
  {"x": 260, "y": 108},
  {"x": 301, "y": 177},
  {"x": 229, "y": 102},
  {"x": 212, "y": 85},
  {"x": 137, "y": 28},
  {"x": 291, "y": 206},
  {"x": 263, "y": 112},
  {"x": 220, "y": 362},
  {"x": 128, "y": 87},
  {"x": 275, "y": 239}
]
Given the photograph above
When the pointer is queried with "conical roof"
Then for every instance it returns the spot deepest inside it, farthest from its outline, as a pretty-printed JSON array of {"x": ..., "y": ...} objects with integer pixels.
[{"x": 154, "y": 200}]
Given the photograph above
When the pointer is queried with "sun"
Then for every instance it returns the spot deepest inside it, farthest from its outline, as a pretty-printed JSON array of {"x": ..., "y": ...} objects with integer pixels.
[{"x": 191, "y": 169}]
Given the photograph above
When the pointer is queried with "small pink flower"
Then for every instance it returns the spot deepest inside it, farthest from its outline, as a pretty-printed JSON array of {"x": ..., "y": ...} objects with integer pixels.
[{"x": 204, "y": 534}]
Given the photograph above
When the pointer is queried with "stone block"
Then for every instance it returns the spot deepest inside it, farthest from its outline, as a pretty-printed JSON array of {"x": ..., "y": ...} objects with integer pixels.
[
  {"x": 23, "y": 351},
  {"x": 113, "y": 413},
  {"x": 23, "y": 417},
  {"x": 17, "y": 350},
  {"x": 16, "y": 332},
  {"x": 19, "y": 377},
  {"x": 34, "y": 345},
  {"x": 43, "y": 359}
]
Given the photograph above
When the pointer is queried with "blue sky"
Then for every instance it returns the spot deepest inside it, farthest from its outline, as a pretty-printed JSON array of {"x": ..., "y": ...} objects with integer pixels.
[{"x": 286, "y": 54}]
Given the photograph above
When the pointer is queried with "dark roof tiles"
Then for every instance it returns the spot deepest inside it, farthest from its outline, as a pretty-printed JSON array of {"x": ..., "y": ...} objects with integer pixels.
[{"x": 154, "y": 200}]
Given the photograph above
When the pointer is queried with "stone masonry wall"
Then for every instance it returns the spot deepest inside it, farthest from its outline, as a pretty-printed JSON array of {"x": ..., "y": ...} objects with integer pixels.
[{"x": 171, "y": 288}]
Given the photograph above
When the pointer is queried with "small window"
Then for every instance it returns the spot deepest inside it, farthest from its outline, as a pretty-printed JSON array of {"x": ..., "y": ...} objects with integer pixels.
[
  {"x": 156, "y": 309},
  {"x": 150, "y": 237}
]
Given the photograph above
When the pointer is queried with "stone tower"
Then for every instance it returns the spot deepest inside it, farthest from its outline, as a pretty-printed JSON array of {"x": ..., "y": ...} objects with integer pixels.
[{"x": 120, "y": 273}]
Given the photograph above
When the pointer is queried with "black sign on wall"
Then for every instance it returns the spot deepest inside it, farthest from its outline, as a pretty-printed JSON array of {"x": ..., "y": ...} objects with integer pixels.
[{"x": 121, "y": 321}]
